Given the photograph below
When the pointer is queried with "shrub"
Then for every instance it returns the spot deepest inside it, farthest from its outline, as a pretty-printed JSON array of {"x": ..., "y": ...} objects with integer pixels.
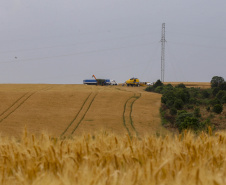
[
  {"x": 181, "y": 115},
  {"x": 168, "y": 96},
  {"x": 150, "y": 89},
  {"x": 204, "y": 102},
  {"x": 191, "y": 123},
  {"x": 197, "y": 112},
  {"x": 158, "y": 89},
  {"x": 169, "y": 118},
  {"x": 173, "y": 111},
  {"x": 185, "y": 120},
  {"x": 163, "y": 107},
  {"x": 205, "y": 123},
  {"x": 194, "y": 92},
  {"x": 181, "y": 85},
  {"x": 178, "y": 104},
  {"x": 158, "y": 83},
  {"x": 205, "y": 94},
  {"x": 215, "y": 91},
  {"x": 190, "y": 106},
  {"x": 163, "y": 113},
  {"x": 193, "y": 101},
  {"x": 167, "y": 88},
  {"x": 170, "y": 103},
  {"x": 198, "y": 102},
  {"x": 214, "y": 101},
  {"x": 183, "y": 94},
  {"x": 220, "y": 94},
  {"x": 224, "y": 99},
  {"x": 218, "y": 108}
]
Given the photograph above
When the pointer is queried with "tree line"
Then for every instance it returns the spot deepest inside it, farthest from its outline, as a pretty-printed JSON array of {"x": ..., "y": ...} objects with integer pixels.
[{"x": 184, "y": 108}]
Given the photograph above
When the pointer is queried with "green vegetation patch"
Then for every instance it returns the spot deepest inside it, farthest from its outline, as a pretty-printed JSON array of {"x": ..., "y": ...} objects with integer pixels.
[{"x": 192, "y": 108}]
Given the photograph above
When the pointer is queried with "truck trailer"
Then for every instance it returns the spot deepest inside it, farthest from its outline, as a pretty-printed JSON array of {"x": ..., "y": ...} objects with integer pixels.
[{"x": 97, "y": 81}]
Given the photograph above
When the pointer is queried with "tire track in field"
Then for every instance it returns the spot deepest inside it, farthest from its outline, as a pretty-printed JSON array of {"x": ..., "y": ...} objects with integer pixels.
[
  {"x": 20, "y": 101},
  {"x": 13, "y": 104},
  {"x": 127, "y": 115},
  {"x": 76, "y": 115},
  {"x": 80, "y": 115}
]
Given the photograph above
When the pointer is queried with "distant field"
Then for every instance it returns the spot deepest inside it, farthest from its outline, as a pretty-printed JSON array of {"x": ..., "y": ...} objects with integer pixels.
[
  {"x": 63, "y": 110},
  {"x": 203, "y": 85}
]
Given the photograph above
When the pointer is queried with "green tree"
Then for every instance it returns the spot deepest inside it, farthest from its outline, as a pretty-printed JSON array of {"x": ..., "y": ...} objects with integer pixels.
[
  {"x": 224, "y": 99},
  {"x": 220, "y": 94},
  {"x": 217, "y": 81},
  {"x": 223, "y": 86},
  {"x": 158, "y": 83},
  {"x": 215, "y": 90},
  {"x": 181, "y": 85}
]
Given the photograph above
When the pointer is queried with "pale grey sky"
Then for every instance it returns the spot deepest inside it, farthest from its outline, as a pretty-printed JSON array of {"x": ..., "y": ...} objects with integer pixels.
[{"x": 66, "y": 41}]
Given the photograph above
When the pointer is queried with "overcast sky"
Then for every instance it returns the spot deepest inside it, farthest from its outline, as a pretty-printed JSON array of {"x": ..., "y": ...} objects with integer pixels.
[{"x": 66, "y": 41}]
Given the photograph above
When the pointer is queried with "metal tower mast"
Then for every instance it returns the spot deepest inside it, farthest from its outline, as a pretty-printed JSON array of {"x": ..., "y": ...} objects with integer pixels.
[{"x": 163, "y": 41}]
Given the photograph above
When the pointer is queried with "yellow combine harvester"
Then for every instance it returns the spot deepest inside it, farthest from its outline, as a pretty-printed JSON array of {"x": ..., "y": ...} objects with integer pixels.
[{"x": 135, "y": 82}]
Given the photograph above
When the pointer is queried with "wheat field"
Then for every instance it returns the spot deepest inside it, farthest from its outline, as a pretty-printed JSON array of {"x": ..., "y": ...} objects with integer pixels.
[
  {"x": 105, "y": 158},
  {"x": 202, "y": 85},
  {"x": 94, "y": 135},
  {"x": 64, "y": 110}
]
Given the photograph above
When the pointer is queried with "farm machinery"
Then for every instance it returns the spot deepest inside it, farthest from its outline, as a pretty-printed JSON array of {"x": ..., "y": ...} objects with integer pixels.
[
  {"x": 136, "y": 82},
  {"x": 97, "y": 81}
]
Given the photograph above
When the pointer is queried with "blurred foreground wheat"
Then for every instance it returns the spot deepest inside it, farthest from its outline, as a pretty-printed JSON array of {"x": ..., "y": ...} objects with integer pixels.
[{"x": 108, "y": 159}]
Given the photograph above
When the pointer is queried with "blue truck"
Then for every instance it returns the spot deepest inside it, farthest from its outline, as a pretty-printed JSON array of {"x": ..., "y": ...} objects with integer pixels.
[{"x": 97, "y": 82}]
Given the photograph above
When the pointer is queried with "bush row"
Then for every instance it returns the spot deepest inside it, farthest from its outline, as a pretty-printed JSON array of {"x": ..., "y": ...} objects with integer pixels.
[{"x": 180, "y": 105}]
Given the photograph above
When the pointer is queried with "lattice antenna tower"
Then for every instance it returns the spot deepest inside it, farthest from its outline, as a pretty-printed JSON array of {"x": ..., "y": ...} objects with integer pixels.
[{"x": 163, "y": 41}]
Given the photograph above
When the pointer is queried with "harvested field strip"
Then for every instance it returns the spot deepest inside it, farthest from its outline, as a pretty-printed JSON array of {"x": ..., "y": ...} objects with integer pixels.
[
  {"x": 75, "y": 116},
  {"x": 16, "y": 105},
  {"x": 84, "y": 114},
  {"x": 127, "y": 115}
]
